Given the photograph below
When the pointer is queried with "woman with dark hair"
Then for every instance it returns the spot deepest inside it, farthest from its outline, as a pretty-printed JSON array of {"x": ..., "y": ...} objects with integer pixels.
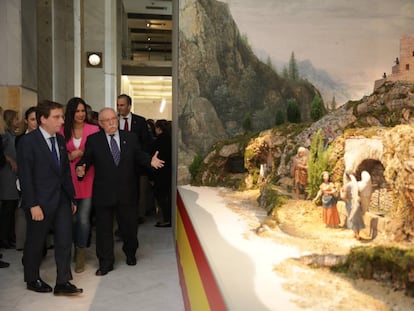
[
  {"x": 8, "y": 176},
  {"x": 30, "y": 123},
  {"x": 76, "y": 130},
  {"x": 162, "y": 176}
]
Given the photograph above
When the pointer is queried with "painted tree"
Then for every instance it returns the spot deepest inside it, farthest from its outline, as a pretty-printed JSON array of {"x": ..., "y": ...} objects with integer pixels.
[
  {"x": 293, "y": 112},
  {"x": 316, "y": 108},
  {"x": 333, "y": 104},
  {"x": 280, "y": 118},
  {"x": 270, "y": 63},
  {"x": 293, "y": 68},
  {"x": 247, "y": 123},
  {"x": 285, "y": 72}
]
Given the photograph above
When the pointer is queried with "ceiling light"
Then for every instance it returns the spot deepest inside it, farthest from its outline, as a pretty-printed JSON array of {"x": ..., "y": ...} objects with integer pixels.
[{"x": 162, "y": 106}]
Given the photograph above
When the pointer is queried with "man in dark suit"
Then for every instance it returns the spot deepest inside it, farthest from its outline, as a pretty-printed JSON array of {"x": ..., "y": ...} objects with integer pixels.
[
  {"x": 47, "y": 197},
  {"x": 137, "y": 124},
  {"x": 116, "y": 155}
]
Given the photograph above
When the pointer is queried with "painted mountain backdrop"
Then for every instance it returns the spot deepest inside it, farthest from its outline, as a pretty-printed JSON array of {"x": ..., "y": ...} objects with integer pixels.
[{"x": 222, "y": 83}]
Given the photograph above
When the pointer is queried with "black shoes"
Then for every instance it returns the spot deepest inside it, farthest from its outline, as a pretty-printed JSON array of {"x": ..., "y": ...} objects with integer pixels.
[
  {"x": 163, "y": 224},
  {"x": 7, "y": 244},
  {"x": 39, "y": 286},
  {"x": 131, "y": 261},
  {"x": 67, "y": 289},
  {"x": 103, "y": 271},
  {"x": 4, "y": 264}
]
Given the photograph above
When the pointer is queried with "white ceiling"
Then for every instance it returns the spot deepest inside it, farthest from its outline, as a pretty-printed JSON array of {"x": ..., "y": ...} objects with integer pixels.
[
  {"x": 148, "y": 92},
  {"x": 162, "y": 7}
]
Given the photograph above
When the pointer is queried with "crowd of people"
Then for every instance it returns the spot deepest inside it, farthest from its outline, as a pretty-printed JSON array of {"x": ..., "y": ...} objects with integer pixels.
[{"x": 69, "y": 168}]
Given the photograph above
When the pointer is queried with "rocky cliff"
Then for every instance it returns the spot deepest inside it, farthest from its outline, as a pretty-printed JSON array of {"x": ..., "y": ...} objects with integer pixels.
[
  {"x": 375, "y": 134},
  {"x": 222, "y": 83}
]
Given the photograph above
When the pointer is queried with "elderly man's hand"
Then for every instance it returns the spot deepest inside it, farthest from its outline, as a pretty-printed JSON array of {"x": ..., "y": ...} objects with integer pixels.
[{"x": 155, "y": 162}]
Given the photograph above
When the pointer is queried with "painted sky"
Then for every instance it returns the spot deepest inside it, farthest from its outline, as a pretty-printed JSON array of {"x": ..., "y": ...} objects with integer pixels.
[{"x": 355, "y": 41}]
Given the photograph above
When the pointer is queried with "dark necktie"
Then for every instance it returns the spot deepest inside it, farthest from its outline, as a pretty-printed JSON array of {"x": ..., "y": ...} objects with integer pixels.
[
  {"x": 116, "y": 154},
  {"x": 126, "y": 125},
  {"x": 54, "y": 151}
]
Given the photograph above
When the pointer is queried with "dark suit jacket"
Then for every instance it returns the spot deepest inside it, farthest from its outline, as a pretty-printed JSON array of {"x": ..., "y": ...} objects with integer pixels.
[
  {"x": 41, "y": 181},
  {"x": 114, "y": 184},
  {"x": 162, "y": 176},
  {"x": 140, "y": 128}
]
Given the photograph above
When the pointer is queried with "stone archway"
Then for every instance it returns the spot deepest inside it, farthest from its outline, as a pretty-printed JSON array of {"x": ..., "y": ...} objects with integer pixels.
[
  {"x": 381, "y": 199},
  {"x": 365, "y": 154}
]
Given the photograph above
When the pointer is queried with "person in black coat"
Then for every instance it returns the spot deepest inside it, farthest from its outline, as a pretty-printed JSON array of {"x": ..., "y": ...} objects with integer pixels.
[
  {"x": 137, "y": 124},
  {"x": 162, "y": 177},
  {"x": 3, "y": 264},
  {"x": 116, "y": 156}
]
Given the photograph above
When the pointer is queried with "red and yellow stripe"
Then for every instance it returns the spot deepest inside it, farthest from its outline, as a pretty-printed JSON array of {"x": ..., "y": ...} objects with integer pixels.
[{"x": 199, "y": 287}]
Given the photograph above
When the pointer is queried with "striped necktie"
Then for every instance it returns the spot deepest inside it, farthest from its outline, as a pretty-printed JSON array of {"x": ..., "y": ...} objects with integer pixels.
[{"x": 116, "y": 154}]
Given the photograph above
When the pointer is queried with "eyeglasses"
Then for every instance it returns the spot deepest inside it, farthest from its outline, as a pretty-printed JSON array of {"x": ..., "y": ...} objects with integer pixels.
[{"x": 113, "y": 119}]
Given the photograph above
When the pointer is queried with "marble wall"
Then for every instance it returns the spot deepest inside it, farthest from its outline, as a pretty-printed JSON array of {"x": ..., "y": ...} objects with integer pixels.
[
  {"x": 43, "y": 51},
  {"x": 101, "y": 85},
  {"x": 18, "y": 68}
]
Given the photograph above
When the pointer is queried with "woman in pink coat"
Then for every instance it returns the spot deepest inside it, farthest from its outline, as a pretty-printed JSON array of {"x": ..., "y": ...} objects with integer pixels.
[{"x": 76, "y": 130}]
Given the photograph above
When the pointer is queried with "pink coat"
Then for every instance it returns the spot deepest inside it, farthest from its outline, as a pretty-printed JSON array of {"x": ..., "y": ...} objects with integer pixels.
[{"x": 83, "y": 188}]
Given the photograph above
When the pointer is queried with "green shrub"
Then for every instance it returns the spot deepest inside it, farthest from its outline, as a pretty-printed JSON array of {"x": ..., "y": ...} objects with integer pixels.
[
  {"x": 194, "y": 167},
  {"x": 271, "y": 199},
  {"x": 379, "y": 261},
  {"x": 317, "y": 163}
]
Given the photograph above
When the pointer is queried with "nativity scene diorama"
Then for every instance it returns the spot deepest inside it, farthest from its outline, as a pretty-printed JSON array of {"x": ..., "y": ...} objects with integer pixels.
[{"x": 353, "y": 165}]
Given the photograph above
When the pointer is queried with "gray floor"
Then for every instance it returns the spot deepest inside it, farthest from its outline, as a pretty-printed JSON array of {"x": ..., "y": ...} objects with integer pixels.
[{"x": 151, "y": 285}]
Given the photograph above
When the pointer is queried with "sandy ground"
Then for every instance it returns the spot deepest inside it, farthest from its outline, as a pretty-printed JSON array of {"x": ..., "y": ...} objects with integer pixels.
[{"x": 300, "y": 225}]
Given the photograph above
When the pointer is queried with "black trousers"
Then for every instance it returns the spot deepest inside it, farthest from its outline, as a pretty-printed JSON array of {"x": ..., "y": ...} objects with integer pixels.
[
  {"x": 126, "y": 216},
  {"x": 58, "y": 219},
  {"x": 7, "y": 220},
  {"x": 163, "y": 197}
]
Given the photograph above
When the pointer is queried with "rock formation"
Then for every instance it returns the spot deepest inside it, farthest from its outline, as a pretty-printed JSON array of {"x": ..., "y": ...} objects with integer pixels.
[
  {"x": 385, "y": 150},
  {"x": 222, "y": 83}
]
